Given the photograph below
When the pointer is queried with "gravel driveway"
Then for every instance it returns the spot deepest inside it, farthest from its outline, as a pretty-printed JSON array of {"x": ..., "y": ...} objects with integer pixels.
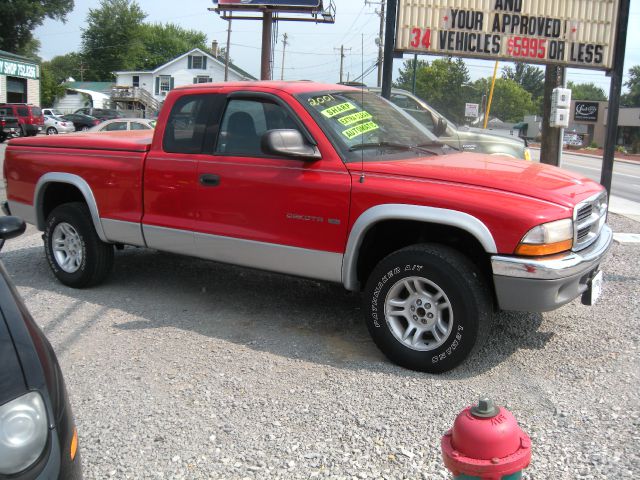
[{"x": 183, "y": 368}]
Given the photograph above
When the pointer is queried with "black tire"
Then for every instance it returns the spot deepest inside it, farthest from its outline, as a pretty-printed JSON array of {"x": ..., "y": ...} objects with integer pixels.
[
  {"x": 84, "y": 128},
  {"x": 97, "y": 256},
  {"x": 52, "y": 131},
  {"x": 466, "y": 307}
]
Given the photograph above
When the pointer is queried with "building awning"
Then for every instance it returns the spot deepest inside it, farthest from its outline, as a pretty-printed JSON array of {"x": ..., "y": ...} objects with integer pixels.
[{"x": 98, "y": 100}]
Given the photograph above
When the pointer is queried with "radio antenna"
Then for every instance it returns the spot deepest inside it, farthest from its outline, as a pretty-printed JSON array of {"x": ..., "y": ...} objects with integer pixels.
[{"x": 362, "y": 106}]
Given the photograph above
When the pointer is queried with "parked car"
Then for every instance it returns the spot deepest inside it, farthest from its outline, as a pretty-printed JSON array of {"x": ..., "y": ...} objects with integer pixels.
[
  {"x": 9, "y": 125},
  {"x": 29, "y": 116},
  {"x": 459, "y": 137},
  {"x": 125, "y": 124},
  {"x": 327, "y": 182},
  {"x": 82, "y": 122},
  {"x": 101, "y": 113},
  {"x": 54, "y": 125},
  {"x": 38, "y": 437}
]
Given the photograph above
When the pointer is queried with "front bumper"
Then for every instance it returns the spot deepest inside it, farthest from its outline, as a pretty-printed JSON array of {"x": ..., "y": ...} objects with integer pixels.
[{"x": 542, "y": 284}]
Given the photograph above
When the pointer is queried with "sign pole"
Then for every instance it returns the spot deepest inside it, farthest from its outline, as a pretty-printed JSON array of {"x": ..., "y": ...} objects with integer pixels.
[
  {"x": 493, "y": 84},
  {"x": 389, "y": 44},
  {"x": 614, "y": 96},
  {"x": 265, "y": 60}
]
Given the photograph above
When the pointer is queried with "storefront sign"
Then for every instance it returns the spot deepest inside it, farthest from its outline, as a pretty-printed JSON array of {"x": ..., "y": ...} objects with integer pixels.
[
  {"x": 577, "y": 33},
  {"x": 15, "y": 68},
  {"x": 585, "y": 112}
]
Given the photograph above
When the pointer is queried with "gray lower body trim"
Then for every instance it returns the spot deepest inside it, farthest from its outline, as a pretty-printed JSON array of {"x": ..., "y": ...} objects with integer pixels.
[
  {"x": 265, "y": 256},
  {"x": 534, "y": 285},
  {"x": 118, "y": 231},
  {"x": 530, "y": 295},
  {"x": 24, "y": 211}
]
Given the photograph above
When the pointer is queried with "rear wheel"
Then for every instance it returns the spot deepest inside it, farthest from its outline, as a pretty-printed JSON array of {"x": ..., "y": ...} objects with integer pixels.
[
  {"x": 427, "y": 307},
  {"x": 76, "y": 255},
  {"x": 84, "y": 128},
  {"x": 52, "y": 131}
]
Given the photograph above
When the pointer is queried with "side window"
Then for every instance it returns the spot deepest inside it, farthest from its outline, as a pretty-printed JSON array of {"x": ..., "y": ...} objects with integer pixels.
[
  {"x": 193, "y": 123},
  {"x": 23, "y": 112},
  {"x": 245, "y": 121},
  {"x": 139, "y": 126},
  {"x": 115, "y": 126}
]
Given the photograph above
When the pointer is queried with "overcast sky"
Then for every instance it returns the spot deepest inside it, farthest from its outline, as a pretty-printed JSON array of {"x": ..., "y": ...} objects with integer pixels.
[{"x": 313, "y": 50}]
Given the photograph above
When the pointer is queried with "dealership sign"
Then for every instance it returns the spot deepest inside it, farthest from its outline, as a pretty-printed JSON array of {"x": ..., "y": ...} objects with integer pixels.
[
  {"x": 272, "y": 3},
  {"x": 585, "y": 112},
  {"x": 471, "y": 110},
  {"x": 577, "y": 33},
  {"x": 14, "y": 68}
]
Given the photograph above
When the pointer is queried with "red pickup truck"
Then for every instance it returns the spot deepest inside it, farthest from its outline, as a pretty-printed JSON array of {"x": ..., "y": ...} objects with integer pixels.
[{"x": 326, "y": 182}]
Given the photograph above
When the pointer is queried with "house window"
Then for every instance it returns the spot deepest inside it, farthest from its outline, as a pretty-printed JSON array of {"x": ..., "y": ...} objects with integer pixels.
[
  {"x": 165, "y": 83},
  {"x": 136, "y": 81},
  {"x": 202, "y": 79},
  {"x": 196, "y": 62}
]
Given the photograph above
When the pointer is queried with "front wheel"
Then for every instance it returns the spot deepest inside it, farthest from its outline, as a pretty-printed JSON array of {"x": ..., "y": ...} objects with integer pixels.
[
  {"x": 427, "y": 307},
  {"x": 52, "y": 131},
  {"x": 84, "y": 128},
  {"x": 76, "y": 255}
]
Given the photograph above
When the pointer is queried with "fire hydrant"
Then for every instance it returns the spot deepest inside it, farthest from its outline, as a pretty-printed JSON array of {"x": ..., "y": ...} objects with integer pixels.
[{"x": 486, "y": 443}]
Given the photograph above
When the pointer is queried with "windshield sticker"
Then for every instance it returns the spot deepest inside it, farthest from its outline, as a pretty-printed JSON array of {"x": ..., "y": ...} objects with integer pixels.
[
  {"x": 338, "y": 109},
  {"x": 315, "y": 101},
  {"x": 353, "y": 132},
  {"x": 354, "y": 118}
]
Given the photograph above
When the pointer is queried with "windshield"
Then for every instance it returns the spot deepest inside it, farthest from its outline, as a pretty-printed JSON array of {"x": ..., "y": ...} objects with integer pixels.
[{"x": 358, "y": 122}]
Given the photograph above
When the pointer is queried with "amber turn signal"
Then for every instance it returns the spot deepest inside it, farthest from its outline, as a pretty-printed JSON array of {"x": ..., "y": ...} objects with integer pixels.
[
  {"x": 544, "y": 248},
  {"x": 73, "y": 449}
]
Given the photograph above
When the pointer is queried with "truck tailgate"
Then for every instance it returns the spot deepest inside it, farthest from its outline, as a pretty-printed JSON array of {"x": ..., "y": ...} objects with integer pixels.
[{"x": 129, "y": 141}]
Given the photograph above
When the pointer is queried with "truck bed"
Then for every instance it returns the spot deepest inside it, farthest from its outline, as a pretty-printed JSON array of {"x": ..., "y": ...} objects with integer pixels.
[{"x": 127, "y": 141}]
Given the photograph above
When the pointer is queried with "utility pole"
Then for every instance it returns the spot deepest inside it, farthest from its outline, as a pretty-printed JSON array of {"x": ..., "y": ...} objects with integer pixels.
[
  {"x": 81, "y": 68},
  {"x": 226, "y": 52},
  {"x": 342, "y": 49},
  {"x": 380, "y": 39},
  {"x": 551, "y": 148},
  {"x": 265, "y": 60},
  {"x": 284, "y": 47}
]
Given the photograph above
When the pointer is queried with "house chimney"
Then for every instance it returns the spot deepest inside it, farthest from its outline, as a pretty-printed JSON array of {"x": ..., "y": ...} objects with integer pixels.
[{"x": 214, "y": 48}]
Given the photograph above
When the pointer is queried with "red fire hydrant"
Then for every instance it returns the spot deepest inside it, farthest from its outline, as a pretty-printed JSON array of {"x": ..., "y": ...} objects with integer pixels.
[{"x": 486, "y": 443}]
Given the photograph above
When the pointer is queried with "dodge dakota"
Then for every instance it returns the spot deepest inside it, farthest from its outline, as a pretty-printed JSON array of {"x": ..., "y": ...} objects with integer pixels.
[{"x": 327, "y": 182}]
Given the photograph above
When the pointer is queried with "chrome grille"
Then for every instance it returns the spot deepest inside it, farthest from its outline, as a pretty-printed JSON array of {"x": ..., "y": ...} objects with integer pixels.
[{"x": 588, "y": 218}]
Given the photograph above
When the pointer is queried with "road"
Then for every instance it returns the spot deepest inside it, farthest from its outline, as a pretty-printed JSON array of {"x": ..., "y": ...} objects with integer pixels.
[{"x": 626, "y": 175}]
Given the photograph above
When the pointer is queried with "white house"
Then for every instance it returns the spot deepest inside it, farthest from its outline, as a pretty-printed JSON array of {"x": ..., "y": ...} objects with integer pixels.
[{"x": 195, "y": 66}]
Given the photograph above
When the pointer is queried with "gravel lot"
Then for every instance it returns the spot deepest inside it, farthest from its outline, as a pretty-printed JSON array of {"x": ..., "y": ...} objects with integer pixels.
[{"x": 182, "y": 368}]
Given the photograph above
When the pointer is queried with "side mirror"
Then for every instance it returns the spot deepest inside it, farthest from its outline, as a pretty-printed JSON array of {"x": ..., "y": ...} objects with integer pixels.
[
  {"x": 289, "y": 143},
  {"x": 441, "y": 127},
  {"x": 11, "y": 227}
]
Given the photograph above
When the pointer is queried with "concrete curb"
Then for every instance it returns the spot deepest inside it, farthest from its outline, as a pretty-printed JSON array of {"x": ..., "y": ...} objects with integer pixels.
[
  {"x": 598, "y": 157},
  {"x": 624, "y": 207}
]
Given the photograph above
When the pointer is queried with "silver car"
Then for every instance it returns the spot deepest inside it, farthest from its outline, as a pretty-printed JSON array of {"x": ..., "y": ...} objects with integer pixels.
[
  {"x": 54, "y": 125},
  {"x": 118, "y": 124}
]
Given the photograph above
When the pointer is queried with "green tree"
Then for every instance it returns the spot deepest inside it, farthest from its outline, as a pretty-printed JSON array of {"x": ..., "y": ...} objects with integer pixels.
[
  {"x": 442, "y": 84},
  {"x": 632, "y": 98},
  {"x": 113, "y": 39},
  {"x": 530, "y": 78},
  {"x": 510, "y": 101},
  {"x": 405, "y": 79},
  {"x": 50, "y": 88},
  {"x": 163, "y": 42},
  {"x": 586, "y": 91},
  {"x": 18, "y": 19},
  {"x": 62, "y": 67}
]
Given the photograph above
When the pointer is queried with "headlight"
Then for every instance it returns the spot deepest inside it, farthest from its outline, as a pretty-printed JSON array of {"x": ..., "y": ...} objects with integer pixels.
[
  {"x": 547, "y": 239},
  {"x": 23, "y": 432},
  {"x": 527, "y": 154}
]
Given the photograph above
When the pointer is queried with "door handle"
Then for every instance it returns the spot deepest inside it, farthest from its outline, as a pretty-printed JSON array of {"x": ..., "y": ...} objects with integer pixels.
[{"x": 209, "y": 180}]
